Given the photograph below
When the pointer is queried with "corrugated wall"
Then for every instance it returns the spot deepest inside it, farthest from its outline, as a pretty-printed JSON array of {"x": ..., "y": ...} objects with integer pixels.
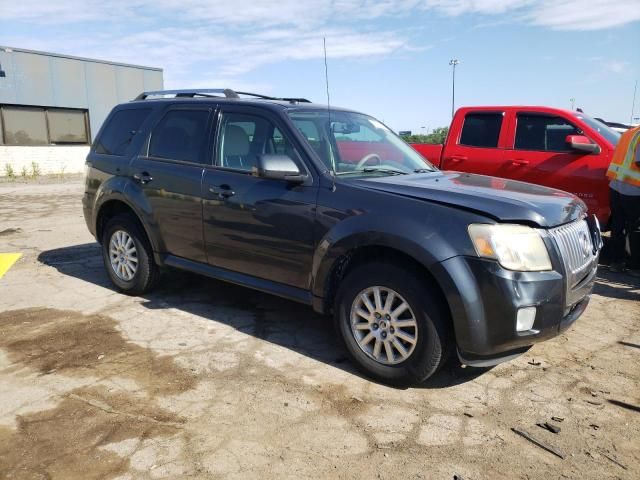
[{"x": 43, "y": 79}]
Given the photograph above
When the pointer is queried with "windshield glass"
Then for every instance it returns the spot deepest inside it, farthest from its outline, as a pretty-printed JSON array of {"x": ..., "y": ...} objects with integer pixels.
[
  {"x": 356, "y": 144},
  {"x": 607, "y": 132}
]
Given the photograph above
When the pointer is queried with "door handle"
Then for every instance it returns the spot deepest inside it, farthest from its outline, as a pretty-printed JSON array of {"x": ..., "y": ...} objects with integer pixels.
[
  {"x": 519, "y": 162},
  {"x": 142, "y": 177},
  {"x": 222, "y": 191},
  {"x": 457, "y": 158}
]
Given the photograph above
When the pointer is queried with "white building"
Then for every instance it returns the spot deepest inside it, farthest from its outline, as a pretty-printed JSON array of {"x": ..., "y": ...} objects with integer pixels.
[{"x": 52, "y": 106}]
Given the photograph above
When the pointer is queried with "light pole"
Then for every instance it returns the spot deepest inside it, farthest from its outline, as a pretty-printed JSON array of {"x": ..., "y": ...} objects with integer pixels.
[
  {"x": 453, "y": 62},
  {"x": 573, "y": 103},
  {"x": 633, "y": 103}
]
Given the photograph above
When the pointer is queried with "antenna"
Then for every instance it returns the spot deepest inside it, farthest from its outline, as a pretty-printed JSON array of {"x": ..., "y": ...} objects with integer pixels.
[
  {"x": 326, "y": 80},
  {"x": 326, "y": 75}
]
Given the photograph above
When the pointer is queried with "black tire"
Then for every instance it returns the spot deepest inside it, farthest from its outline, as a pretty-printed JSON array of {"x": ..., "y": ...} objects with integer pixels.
[
  {"x": 433, "y": 341},
  {"x": 147, "y": 273}
]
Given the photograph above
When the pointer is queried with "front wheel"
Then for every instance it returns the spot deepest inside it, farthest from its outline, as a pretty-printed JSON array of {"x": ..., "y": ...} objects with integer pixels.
[
  {"x": 392, "y": 323},
  {"x": 127, "y": 256}
]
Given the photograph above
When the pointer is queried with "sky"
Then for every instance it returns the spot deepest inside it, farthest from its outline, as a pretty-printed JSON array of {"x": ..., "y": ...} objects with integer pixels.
[{"x": 386, "y": 58}]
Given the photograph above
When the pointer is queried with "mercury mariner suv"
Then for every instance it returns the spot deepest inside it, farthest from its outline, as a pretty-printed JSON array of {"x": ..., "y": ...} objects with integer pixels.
[{"x": 328, "y": 207}]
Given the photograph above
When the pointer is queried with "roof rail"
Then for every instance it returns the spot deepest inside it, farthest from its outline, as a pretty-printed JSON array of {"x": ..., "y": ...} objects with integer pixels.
[
  {"x": 196, "y": 92},
  {"x": 215, "y": 93}
]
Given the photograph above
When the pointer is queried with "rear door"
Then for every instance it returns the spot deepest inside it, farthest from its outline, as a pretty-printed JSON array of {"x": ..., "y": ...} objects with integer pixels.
[
  {"x": 256, "y": 226},
  {"x": 540, "y": 154},
  {"x": 478, "y": 145},
  {"x": 167, "y": 177}
]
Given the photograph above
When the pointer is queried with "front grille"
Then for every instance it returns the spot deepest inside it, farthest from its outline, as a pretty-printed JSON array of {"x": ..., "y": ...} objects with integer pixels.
[{"x": 576, "y": 248}]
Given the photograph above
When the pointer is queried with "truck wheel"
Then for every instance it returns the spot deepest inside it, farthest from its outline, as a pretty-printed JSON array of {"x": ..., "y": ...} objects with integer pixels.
[
  {"x": 393, "y": 327},
  {"x": 128, "y": 257}
]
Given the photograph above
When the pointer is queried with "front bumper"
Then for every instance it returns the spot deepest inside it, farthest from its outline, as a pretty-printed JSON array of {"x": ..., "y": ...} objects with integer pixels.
[{"x": 484, "y": 299}]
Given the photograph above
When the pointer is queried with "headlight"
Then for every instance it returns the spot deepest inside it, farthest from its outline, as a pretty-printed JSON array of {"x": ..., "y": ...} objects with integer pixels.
[{"x": 515, "y": 247}]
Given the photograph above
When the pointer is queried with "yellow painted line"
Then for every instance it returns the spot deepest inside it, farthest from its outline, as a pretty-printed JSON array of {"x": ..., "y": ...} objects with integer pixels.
[{"x": 6, "y": 261}]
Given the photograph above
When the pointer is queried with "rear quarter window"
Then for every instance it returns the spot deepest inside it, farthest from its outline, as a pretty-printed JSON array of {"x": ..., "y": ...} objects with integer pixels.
[
  {"x": 481, "y": 130},
  {"x": 120, "y": 130}
]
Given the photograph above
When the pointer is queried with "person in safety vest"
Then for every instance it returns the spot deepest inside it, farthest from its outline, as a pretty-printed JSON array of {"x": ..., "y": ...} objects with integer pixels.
[{"x": 624, "y": 173}]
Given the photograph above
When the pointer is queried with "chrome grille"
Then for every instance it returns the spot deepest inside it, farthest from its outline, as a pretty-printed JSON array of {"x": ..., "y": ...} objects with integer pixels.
[{"x": 576, "y": 247}]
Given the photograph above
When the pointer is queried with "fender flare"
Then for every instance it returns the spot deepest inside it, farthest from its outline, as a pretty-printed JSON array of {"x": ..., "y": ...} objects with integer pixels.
[{"x": 118, "y": 189}]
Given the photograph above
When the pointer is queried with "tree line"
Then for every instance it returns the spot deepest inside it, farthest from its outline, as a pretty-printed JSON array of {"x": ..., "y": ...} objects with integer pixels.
[{"x": 437, "y": 136}]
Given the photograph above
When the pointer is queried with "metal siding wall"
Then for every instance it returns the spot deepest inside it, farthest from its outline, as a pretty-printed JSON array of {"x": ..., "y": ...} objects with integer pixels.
[
  {"x": 7, "y": 84},
  {"x": 33, "y": 78},
  {"x": 153, "y": 80},
  {"x": 130, "y": 83},
  {"x": 69, "y": 83},
  {"x": 102, "y": 93},
  {"x": 41, "y": 79}
]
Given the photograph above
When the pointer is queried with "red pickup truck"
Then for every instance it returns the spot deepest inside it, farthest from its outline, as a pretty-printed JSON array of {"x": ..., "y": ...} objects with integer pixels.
[{"x": 557, "y": 148}]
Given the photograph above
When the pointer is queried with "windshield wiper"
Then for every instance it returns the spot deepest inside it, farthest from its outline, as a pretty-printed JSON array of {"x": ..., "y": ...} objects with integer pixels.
[
  {"x": 423, "y": 170},
  {"x": 390, "y": 171}
]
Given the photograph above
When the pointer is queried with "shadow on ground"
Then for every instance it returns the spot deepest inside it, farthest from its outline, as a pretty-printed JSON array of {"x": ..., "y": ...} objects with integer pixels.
[
  {"x": 617, "y": 285},
  {"x": 272, "y": 319}
]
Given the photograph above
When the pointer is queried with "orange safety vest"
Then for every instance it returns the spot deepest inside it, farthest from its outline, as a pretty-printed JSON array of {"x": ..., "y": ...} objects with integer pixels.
[{"x": 624, "y": 164}]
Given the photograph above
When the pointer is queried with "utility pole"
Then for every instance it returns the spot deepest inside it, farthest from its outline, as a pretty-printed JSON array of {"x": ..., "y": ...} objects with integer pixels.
[
  {"x": 633, "y": 104},
  {"x": 453, "y": 62},
  {"x": 573, "y": 103}
]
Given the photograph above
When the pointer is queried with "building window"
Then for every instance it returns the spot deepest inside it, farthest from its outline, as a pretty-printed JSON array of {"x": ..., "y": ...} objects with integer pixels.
[
  {"x": 21, "y": 125},
  {"x": 67, "y": 126}
]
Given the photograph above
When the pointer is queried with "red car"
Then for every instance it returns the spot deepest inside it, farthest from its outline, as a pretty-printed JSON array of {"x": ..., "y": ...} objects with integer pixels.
[{"x": 556, "y": 148}]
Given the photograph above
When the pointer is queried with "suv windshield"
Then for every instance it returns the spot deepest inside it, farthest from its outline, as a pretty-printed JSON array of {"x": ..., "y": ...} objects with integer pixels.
[
  {"x": 355, "y": 144},
  {"x": 607, "y": 132}
]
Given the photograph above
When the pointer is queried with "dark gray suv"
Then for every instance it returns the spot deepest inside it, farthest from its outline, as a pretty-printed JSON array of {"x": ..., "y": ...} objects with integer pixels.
[{"x": 330, "y": 208}]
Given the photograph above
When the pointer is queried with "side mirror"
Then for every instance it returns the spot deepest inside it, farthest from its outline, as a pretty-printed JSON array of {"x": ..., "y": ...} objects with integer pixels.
[
  {"x": 582, "y": 144},
  {"x": 279, "y": 167}
]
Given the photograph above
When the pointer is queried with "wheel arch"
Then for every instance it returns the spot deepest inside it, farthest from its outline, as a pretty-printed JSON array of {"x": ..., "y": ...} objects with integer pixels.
[
  {"x": 117, "y": 206},
  {"x": 353, "y": 253}
]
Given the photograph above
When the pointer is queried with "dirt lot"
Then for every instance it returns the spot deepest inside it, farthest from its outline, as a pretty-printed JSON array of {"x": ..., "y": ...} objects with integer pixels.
[{"x": 206, "y": 380}]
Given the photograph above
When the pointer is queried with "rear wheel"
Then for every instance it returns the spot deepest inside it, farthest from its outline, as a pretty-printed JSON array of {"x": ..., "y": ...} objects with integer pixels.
[
  {"x": 392, "y": 323},
  {"x": 127, "y": 256}
]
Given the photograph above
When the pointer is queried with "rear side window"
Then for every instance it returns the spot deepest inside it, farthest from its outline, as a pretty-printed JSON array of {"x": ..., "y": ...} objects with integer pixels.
[
  {"x": 118, "y": 133},
  {"x": 181, "y": 135},
  {"x": 481, "y": 130},
  {"x": 543, "y": 133}
]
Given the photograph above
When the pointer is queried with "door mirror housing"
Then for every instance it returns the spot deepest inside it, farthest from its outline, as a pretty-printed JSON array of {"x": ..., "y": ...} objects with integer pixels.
[
  {"x": 582, "y": 144},
  {"x": 279, "y": 167}
]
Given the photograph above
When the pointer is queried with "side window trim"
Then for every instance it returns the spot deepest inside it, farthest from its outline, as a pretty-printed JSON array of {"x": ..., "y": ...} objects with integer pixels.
[
  {"x": 520, "y": 113},
  {"x": 208, "y": 133},
  {"x": 502, "y": 113}
]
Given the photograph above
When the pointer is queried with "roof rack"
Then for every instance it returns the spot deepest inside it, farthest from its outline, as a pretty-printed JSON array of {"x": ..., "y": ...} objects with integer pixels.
[{"x": 215, "y": 93}]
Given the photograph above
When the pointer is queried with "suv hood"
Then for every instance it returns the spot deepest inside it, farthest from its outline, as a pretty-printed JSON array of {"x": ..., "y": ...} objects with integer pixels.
[{"x": 502, "y": 199}]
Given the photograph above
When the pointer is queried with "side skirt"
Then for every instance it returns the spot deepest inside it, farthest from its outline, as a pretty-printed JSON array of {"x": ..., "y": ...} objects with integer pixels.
[{"x": 267, "y": 286}]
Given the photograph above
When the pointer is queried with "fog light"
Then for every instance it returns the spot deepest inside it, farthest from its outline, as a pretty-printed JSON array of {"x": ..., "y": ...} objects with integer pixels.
[{"x": 525, "y": 319}]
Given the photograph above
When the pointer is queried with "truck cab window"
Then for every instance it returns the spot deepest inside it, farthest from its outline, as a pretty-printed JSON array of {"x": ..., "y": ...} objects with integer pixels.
[
  {"x": 543, "y": 133},
  {"x": 481, "y": 130}
]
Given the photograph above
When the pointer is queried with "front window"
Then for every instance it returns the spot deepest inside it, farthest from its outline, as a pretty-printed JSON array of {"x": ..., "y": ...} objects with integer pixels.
[
  {"x": 355, "y": 144},
  {"x": 607, "y": 132},
  {"x": 543, "y": 133}
]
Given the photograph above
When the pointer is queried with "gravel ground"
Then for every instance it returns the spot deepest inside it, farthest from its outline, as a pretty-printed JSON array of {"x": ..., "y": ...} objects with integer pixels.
[{"x": 202, "y": 379}]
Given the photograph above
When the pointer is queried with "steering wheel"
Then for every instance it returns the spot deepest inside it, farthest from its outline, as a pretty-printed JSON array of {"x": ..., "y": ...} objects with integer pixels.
[{"x": 368, "y": 157}]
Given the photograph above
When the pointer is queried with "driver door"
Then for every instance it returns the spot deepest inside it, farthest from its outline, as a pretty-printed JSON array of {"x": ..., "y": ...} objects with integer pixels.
[
  {"x": 541, "y": 155},
  {"x": 256, "y": 226}
]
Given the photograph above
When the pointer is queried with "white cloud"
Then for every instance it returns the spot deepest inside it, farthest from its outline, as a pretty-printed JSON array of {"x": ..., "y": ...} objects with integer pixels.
[
  {"x": 234, "y": 38},
  {"x": 584, "y": 14},
  {"x": 556, "y": 14}
]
